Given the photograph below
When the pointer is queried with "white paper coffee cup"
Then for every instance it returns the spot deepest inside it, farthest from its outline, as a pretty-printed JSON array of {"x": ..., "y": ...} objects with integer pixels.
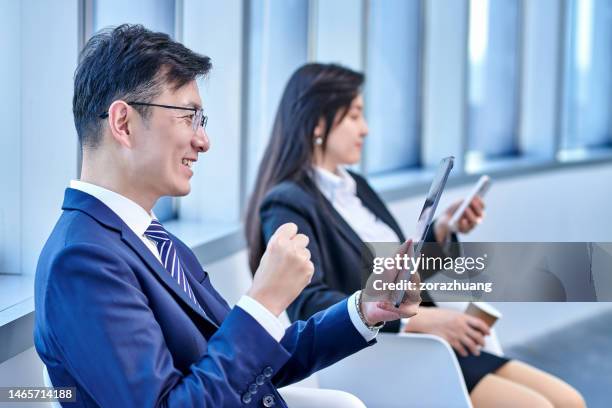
[{"x": 484, "y": 311}]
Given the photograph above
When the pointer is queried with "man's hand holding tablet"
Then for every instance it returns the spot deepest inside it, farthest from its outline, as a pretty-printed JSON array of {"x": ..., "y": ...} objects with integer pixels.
[{"x": 385, "y": 310}]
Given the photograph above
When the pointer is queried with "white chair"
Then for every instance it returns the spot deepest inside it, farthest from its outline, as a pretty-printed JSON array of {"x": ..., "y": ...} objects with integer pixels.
[
  {"x": 402, "y": 370},
  {"x": 302, "y": 397},
  {"x": 296, "y": 397},
  {"x": 417, "y": 370}
]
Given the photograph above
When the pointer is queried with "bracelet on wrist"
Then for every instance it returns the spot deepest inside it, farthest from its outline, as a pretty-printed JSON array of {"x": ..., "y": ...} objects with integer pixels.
[{"x": 374, "y": 328}]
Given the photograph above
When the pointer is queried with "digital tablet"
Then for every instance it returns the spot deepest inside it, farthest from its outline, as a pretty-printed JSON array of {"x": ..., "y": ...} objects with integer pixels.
[{"x": 424, "y": 221}]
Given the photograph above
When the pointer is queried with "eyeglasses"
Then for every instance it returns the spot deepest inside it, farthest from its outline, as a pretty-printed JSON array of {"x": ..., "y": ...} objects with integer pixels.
[{"x": 198, "y": 119}]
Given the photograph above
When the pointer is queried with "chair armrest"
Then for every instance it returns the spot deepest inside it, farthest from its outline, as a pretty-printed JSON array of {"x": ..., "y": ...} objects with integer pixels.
[
  {"x": 401, "y": 370},
  {"x": 302, "y": 397}
]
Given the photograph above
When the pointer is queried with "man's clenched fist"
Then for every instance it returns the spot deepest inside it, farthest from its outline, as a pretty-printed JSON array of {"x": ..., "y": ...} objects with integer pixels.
[{"x": 284, "y": 271}]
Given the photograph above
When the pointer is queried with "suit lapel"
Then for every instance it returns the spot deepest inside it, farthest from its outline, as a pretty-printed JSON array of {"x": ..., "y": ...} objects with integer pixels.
[
  {"x": 337, "y": 220},
  {"x": 162, "y": 274},
  {"x": 344, "y": 228},
  {"x": 373, "y": 203},
  {"x": 370, "y": 201},
  {"x": 214, "y": 313},
  {"x": 78, "y": 200},
  {"x": 198, "y": 279}
]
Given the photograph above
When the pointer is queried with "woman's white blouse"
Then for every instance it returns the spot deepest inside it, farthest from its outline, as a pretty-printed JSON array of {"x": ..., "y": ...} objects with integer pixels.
[{"x": 341, "y": 191}]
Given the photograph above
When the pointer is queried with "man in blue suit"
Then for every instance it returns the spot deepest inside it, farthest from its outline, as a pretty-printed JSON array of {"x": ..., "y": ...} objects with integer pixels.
[{"x": 124, "y": 311}]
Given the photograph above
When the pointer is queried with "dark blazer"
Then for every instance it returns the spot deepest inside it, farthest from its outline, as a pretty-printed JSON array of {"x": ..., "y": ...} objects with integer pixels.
[
  {"x": 336, "y": 250},
  {"x": 112, "y": 322}
]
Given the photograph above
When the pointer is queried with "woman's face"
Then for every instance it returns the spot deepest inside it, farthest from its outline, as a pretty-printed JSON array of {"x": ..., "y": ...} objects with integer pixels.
[{"x": 345, "y": 139}]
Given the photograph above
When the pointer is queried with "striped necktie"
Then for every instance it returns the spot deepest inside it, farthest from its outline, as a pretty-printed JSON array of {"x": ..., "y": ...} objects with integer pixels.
[{"x": 158, "y": 234}]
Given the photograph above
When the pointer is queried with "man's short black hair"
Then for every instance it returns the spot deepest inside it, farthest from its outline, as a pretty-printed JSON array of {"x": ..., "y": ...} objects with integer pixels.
[{"x": 130, "y": 63}]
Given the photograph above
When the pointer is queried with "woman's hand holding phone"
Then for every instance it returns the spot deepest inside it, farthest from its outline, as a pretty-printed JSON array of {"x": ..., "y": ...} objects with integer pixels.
[
  {"x": 463, "y": 215},
  {"x": 472, "y": 216}
]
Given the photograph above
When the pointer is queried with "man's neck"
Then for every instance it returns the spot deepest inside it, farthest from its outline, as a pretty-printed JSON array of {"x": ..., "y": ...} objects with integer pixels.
[{"x": 118, "y": 186}]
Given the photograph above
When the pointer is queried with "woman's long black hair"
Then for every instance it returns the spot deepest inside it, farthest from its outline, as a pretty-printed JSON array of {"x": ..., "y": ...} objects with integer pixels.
[{"x": 314, "y": 92}]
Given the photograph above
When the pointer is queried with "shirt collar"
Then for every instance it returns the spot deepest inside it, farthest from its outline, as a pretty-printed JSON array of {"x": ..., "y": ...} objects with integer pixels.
[
  {"x": 132, "y": 214},
  {"x": 330, "y": 184}
]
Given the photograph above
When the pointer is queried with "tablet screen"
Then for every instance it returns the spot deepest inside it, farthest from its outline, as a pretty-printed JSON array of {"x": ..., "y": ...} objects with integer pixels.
[
  {"x": 426, "y": 216},
  {"x": 431, "y": 201}
]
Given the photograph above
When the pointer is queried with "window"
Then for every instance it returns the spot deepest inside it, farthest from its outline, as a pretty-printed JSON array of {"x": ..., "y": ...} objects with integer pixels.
[
  {"x": 37, "y": 136},
  {"x": 338, "y": 22},
  {"x": 278, "y": 45},
  {"x": 218, "y": 170},
  {"x": 10, "y": 140},
  {"x": 494, "y": 79},
  {"x": 588, "y": 79},
  {"x": 393, "y": 85},
  {"x": 156, "y": 15}
]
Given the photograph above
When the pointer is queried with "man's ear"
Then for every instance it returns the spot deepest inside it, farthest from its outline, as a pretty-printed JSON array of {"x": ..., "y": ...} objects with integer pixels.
[{"x": 120, "y": 114}]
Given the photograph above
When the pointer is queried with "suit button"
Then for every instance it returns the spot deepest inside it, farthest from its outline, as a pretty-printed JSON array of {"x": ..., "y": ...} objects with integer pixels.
[
  {"x": 268, "y": 371},
  {"x": 268, "y": 401},
  {"x": 260, "y": 379},
  {"x": 253, "y": 388},
  {"x": 246, "y": 397}
]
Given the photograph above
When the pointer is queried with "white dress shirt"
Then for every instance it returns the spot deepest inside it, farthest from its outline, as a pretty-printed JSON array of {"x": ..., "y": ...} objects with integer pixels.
[
  {"x": 138, "y": 220},
  {"x": 341, "y": 191}
]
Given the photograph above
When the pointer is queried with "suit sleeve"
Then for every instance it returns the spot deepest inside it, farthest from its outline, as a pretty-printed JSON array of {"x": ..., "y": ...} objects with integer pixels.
[
  {"x": 317, "y": 295},
  {"x": 107, "y": 336},
  {"x": 318, "y": 342}
]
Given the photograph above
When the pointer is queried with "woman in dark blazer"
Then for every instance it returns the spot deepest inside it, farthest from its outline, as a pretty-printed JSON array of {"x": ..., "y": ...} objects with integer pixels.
[{"x": 318, "y": 130}]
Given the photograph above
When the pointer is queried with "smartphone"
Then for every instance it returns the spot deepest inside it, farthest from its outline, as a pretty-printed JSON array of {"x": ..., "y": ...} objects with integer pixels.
[{"x": 480, "y": 189}]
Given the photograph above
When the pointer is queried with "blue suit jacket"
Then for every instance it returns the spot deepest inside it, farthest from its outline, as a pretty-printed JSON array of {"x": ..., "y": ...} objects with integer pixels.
[{"x": 112, "y": 322}]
